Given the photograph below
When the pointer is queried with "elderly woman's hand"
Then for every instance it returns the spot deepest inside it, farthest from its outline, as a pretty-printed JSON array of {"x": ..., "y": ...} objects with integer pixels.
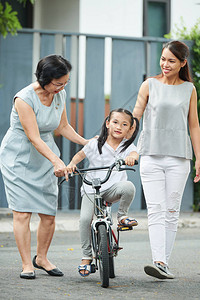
[{"x": 60, "y": 168}]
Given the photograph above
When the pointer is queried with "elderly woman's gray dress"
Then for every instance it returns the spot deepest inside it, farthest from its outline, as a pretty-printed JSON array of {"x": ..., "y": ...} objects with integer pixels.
[{"x": 29, "y": 179}]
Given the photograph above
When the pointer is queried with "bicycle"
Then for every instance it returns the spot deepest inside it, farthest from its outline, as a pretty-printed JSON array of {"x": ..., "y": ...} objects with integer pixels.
[{"x": 105, "y": 244}]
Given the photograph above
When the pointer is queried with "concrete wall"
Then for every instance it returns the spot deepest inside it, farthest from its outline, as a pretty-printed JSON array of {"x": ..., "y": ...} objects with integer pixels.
[
  {"x": 112, "y": 17},
  {"x": 107, "y": 17},
  {"x": 56, "y": 15},
  {"x": 189, "y": 10}
]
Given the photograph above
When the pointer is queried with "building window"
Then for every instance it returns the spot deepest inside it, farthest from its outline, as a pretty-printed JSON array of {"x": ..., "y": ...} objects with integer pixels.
[{"x": 156, "y": 17}]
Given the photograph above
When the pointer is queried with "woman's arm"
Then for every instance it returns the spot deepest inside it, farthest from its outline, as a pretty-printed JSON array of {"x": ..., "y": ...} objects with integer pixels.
[
  {"x": 195, "y": 132},
  {"x": 142, "y": 100},
  {"x": 29, "y": 123},
  {"x": 68, "y": 132}
]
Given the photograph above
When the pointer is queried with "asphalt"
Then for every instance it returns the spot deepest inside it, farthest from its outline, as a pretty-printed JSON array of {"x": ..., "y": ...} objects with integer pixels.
[
  {"x": 69, "y": 221},
  {"x": 130, "y": 282}
]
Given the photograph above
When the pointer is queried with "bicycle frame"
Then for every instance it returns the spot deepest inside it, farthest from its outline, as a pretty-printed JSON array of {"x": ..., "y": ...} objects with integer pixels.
[{"x": 102, "y": 234}]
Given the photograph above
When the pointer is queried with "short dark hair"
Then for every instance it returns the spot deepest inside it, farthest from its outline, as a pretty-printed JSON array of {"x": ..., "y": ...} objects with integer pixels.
[{"x": 51, "y": 67}]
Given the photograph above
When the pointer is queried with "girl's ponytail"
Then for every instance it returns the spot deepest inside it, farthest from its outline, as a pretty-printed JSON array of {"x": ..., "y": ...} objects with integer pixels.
[{"x": 103, "y": 136}]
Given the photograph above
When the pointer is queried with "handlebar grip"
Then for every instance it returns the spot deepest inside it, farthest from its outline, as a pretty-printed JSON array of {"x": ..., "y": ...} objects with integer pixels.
[
  {"x": 70, "y": 175},
  {"x": 122, "y": 162}
]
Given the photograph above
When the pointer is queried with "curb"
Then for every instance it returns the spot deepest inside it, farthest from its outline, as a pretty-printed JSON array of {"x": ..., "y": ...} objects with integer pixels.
[{"x": 69, "y": 221}]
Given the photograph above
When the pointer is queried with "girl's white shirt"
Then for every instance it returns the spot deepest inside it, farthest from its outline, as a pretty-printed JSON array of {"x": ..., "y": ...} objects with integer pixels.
[{"x": 108, "y": 157}]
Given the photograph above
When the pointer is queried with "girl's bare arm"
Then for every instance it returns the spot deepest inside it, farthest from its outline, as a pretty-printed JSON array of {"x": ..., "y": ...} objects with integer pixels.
[{"x": 78, "y": 157}]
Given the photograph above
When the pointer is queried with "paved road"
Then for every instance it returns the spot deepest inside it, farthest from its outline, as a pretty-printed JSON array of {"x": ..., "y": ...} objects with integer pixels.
[{"x": 130, "y": 282}]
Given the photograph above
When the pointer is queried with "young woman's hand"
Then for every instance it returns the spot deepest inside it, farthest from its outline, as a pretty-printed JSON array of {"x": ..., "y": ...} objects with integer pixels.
[{"x": 197, "y": 167}]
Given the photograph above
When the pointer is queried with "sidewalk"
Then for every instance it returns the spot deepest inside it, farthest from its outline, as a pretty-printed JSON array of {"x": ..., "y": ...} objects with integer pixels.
[{"x": 69, "y": 221}]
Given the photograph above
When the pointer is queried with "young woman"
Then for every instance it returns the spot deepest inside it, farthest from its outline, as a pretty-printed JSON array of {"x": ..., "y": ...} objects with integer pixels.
[
  {"x": 29, "y": 159},
  {"x": 111, "y": 145},
  {"x": 169, "y": 104}
]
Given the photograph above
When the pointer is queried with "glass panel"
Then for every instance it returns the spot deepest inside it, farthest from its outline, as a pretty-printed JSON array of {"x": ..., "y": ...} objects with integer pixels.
[{"x": 157, "y": 25}]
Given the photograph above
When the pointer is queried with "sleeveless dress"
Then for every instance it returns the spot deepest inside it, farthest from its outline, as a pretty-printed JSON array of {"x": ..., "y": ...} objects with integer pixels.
[
  {"x": 30, "y": 183},
  {"x": 165, "y": 121}
]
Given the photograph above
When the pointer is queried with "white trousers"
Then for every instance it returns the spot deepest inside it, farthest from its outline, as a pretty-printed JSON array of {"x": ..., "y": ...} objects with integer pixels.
[{"x": 163, "y": 179}]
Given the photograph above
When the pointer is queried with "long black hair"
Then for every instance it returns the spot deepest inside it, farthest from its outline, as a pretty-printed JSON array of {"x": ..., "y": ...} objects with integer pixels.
[
  {"x": 104, "y": 130},
  {"x": 181, "y": 51}
]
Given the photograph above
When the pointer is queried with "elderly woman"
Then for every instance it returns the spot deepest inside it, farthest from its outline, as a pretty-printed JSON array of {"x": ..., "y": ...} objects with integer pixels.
[{"x": 29, "y": 159}]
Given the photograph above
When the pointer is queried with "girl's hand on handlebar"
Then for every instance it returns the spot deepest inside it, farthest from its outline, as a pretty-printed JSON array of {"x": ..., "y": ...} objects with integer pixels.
[
  {"x": 71, "y": 167},
  {"x": 130, "y": 160}
]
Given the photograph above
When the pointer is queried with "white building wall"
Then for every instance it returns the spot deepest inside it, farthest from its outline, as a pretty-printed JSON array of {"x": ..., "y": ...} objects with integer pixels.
[
  {"x": 107, "y": 17},
  {"x": 60, "y": 15},
  {"x": 112, "y": 17},
  {"x": 104, "y": 17},
  {"x": 189, "y": 10}
]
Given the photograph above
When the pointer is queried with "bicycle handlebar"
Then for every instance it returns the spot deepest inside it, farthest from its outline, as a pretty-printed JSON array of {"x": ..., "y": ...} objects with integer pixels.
[{"x": 116, "y": 164}]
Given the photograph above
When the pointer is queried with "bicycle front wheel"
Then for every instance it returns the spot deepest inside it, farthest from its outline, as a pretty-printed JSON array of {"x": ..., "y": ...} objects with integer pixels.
[
  {"x": 103, "y": 255},
  {"x": 111, "y": 267}
]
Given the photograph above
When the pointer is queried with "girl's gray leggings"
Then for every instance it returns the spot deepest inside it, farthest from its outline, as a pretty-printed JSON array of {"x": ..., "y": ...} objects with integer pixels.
[{"x": 123, "y": 191}]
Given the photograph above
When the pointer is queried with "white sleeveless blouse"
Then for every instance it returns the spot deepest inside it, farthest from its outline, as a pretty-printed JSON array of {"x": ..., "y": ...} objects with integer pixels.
[{"x": 165, "y": 120}]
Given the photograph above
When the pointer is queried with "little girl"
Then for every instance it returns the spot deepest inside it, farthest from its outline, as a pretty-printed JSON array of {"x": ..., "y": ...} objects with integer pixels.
[{"x": 110, "y": 146}]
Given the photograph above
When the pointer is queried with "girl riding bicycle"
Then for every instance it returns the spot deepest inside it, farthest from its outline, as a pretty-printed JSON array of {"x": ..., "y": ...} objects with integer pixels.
[{"x": 110, "y": 146}]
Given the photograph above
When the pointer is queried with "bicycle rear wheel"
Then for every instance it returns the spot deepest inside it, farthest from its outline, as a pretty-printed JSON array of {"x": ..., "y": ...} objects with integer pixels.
[{"x": 103, "y": 255}]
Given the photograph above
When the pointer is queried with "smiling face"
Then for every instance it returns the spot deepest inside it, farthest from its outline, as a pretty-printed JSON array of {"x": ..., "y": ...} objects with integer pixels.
[
  {"x": 56, "y": 85},
  {"x": 119, "y": 125},
  {"x": 170, "y": 64}
]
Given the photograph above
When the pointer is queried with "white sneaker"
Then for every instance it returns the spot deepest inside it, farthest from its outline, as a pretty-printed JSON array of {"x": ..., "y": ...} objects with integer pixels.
[{"x": 159, "y": 271}]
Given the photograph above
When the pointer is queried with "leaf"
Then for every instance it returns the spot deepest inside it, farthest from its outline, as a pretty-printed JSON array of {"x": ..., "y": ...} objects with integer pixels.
[
  {"x": 25, "y": 1},
  {"x": 9, "y": 21}
]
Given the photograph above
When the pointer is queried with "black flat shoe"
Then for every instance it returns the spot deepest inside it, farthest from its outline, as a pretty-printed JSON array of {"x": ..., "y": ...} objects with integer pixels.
[
  {"x": 29, "y": 275},
  {"x": 53, "y": 272}
]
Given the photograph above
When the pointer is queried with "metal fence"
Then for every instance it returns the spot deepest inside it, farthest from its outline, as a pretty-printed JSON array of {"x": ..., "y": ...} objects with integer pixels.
[{"x": 107, "y": 73}]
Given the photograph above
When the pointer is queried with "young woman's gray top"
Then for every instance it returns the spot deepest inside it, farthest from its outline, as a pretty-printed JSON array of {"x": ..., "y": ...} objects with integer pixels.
[{"x": 165, "y": 121}]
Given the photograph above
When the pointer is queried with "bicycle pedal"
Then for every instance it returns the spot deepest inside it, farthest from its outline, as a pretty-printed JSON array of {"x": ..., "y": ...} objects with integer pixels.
[
  {"x": 119, "y": 248},
  {"x": 115, "y": 249},
  {"x": 93, "y": 268},
  {"x": 124, "y": 228}
]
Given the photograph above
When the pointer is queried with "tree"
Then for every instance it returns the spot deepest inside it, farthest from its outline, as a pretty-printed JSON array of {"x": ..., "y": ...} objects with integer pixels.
[{"x": 9, "y": 21}]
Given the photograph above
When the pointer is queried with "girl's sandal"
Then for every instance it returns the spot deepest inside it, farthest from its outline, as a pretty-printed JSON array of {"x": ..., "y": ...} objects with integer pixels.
[{"x": 86, "y": 269}]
